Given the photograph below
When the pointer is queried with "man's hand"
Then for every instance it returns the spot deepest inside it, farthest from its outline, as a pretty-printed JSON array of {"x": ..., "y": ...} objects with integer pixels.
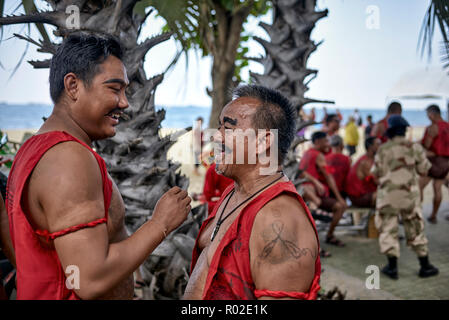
[{"x": 172, "y": 208}]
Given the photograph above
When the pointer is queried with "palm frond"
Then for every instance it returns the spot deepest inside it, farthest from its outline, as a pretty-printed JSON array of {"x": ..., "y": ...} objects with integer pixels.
[{"x": 436, "y": 14}]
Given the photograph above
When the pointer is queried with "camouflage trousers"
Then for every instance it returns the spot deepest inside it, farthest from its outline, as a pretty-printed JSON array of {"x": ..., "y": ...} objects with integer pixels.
[{"x": 387, "y": 223}]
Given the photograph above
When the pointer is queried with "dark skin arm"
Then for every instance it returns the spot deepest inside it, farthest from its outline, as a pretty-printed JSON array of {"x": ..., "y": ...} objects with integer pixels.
[
  {"x": 432, "y": 132},
  {"x": 378, "y": 130},
  {"x": 5, "y": 238},
  {"x": 77, "y": 197},
  {"x": 321, "y": 165},
  {"x": 283, "y": 247}
]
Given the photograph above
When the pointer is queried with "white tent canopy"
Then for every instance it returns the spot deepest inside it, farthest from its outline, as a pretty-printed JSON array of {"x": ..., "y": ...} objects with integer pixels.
[{"x": 430, "y": 83}]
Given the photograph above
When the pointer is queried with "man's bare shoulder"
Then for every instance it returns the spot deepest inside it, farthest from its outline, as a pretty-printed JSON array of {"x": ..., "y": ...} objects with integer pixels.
[
  {"x": 285, "y": 216},
  {"x": 67, "y": 179}
]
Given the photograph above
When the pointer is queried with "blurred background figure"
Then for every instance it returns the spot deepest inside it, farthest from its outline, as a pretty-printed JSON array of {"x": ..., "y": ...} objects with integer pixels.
[
  {"x": 351, "y": 136},
  {"x": 197, "y": 143},
  {"x": 357, "y": 117},
  {"x": 380, "y": 128},
  {"x": 331, "y": 124},
  {"x": 361, "y": 186},
  {"x": 369, "y": 126},
  {"x": 436, "y": 143}
]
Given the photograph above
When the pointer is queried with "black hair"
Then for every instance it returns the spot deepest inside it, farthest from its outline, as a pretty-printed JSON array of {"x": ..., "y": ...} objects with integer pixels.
[
  {"x": 434, "y": 109},
  {"x": 369, "y": 142},
  {"x": 332, "y": 116},
  {"x": 318, "y": 135},
  {"x": 81, "y": 53},
  {"x": 275, "y": 112},
  {"x": 396, "y": 131},
  {"x": 394, "y": 107}
]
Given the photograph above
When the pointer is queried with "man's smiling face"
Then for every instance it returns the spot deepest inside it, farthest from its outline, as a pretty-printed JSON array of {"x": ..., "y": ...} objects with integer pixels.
[
  {"x": 101, "y": 103},
  {"x": 235, "y": 115}
]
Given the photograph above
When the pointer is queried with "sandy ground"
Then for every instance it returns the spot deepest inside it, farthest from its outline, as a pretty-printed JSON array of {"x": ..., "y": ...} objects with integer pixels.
[{"x": 181, "y": 152}]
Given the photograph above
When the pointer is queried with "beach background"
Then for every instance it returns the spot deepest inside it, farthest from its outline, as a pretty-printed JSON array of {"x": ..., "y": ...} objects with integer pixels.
[{"x": 20, "y": 121}]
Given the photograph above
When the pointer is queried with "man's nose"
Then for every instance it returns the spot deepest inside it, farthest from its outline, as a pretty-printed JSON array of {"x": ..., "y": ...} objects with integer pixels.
[{"x": 123, "y": 102}]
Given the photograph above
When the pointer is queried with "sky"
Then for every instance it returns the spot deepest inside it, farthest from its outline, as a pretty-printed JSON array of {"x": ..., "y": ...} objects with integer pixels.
[{"x": 367, "y": 46}]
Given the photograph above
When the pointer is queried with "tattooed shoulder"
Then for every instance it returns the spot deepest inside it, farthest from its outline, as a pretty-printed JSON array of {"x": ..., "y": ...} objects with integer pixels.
[{"x": 281, "y": 245}]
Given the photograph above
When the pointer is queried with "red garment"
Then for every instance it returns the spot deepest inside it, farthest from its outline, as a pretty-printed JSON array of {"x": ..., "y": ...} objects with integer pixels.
[
  {"x": 39, "y": 271},
  {"x": 214, "y": 186},
  {"x": 356, "y": 187},
  {"x": 229, "y": 276},
  {"x": 308, "y": 164},
  {"x": 383, "y": 138},
  {"x": 340, "y": 165},
  {"x": 440, "y": 143}
]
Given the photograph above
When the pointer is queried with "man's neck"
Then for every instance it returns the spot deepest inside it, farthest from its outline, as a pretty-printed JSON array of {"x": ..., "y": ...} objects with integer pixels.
[
  {"x": 60, "y": 120},
  {"x": 251, "y": 181}
]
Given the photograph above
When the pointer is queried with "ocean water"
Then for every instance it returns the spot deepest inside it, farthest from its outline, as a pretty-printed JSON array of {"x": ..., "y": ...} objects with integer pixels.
[{"x": 30, "y": 115}]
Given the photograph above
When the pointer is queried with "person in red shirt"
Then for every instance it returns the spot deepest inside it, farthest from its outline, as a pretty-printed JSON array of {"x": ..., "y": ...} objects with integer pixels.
[
  {"x": 314, "y": 163},
  {"x": 380, "y": 128},
  {"x": 436, "y": 142},
  {"x": 360, "y": 183},
  {"x": 260, "y": 241},
  {"x": 214, "y": 186},
  {"x": 338, "y": 162},
  {"x": 66, "y": 216}
]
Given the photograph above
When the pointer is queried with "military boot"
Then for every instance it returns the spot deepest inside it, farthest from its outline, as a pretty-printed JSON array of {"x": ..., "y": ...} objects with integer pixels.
[
  {"x": 391, "y": 269},
  {"x": 427, "y": 270}
]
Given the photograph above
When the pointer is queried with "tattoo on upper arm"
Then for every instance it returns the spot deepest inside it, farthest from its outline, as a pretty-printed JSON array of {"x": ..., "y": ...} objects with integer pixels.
[{"x": 287, "y": 249}]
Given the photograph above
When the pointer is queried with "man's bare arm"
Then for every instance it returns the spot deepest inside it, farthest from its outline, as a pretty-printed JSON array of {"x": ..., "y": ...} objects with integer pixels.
[
  {"x": 378, "y": 130},
  {"x": 5, "y": 238},
  {"x": 283, "y": 247},
  {"x": 74, "y": 196},
  {"x": 432, "y": 132}
]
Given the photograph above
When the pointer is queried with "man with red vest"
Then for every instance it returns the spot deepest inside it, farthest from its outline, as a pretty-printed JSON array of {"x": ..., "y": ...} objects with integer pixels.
[
  {"x": 380, "y": 128},
  {"x": 436, "y": 143},
  {"x": 360, "y": 183},
  {"x": 260, "y": 241},
  {"x": 214, "y": 186},
  {"x": 338, "y": 162},
  {"x": 314, "y": 163},
  {"x": 66, "y": 215}
]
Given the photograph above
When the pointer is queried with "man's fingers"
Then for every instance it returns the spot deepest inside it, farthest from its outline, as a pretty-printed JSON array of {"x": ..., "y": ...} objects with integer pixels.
[
  {"x": 186, "y": 201},
  {"x": 188, "y": 208},
  {"x": 174, "y": 190},
  {"x": 182, "y": 195}
]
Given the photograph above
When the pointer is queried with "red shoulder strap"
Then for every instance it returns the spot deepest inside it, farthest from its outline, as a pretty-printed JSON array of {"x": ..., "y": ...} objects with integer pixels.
[{"x": 107, "y": 194}]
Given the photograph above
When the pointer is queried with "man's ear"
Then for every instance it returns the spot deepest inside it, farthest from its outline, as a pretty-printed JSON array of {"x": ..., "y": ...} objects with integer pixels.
[
  {"x": 266, "y": 140},
  {"x": 72, "y": 86}
]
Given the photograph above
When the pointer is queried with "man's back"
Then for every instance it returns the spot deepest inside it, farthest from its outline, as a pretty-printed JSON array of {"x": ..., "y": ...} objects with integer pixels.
[{"x": 398, "y": 163}]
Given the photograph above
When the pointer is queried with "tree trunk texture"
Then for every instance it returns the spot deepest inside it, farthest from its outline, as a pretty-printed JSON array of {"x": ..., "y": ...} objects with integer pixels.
[
  {"x": 285, "y": 62},
  {"x": 136, "y": 155}
]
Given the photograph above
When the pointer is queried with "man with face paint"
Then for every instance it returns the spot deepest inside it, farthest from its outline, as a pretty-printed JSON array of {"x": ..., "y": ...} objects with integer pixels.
[
  {"x": 260, "y": 241},
  {"x": 65, "y": 213}
]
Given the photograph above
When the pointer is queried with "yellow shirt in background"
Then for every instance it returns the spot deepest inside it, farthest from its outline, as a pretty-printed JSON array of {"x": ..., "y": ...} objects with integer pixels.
[{"x": 351, "y": 134}]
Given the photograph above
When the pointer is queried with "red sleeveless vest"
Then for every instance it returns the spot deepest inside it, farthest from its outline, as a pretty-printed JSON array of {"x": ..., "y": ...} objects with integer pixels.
[
  {"x": 383, "y": 138},
  {"x": 39, "y": 271},
  {"x": 229, "y": 275},
  {"x": 340, "y": 165},
  {"x": 308, "y": 164},
  {"x": 356, "y": 187},
  {"x": 440, "y": 144}
]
